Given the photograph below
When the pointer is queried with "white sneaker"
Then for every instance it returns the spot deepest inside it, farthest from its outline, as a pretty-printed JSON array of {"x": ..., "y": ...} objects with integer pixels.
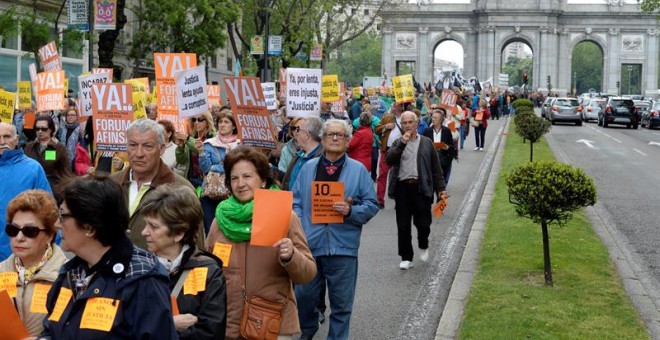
[
  {"x": 476, "y": 149},
  {"x": 481, "y": 149},
  {"x": 405, "y": 265},
  {"x": 424, "y": 255}
]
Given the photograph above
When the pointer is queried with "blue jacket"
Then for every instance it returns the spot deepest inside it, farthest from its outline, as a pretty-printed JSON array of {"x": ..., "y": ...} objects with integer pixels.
[
  {"x": 18, "y": 173},
  {"x": 129, "y": 276},
  {"x": 336, "y": 238}
]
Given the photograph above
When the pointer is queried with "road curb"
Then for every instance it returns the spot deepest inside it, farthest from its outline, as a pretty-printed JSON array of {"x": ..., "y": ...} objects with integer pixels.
[{"x": 452, "y": 314}]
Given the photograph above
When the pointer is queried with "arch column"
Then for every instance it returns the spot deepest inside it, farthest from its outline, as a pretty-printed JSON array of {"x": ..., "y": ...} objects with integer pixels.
[
  {"x": 423, "y": 71},
  {"x": 650, "y": 74},
  {"x": 614, "y": 66},
  {"x": 386, "y": 52}
]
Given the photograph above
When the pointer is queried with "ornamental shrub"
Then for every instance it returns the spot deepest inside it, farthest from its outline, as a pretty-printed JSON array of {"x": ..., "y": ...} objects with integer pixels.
[
  {"x": 518, "y": 103},
  {"x": 530, "y": 127}
]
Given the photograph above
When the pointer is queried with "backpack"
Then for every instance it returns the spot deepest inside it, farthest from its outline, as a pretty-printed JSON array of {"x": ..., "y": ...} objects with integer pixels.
[{"x": 82, "y": 162}]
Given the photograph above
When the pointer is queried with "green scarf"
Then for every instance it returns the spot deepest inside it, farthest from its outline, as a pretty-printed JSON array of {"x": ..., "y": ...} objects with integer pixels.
[{"x": 235, "y": 218}]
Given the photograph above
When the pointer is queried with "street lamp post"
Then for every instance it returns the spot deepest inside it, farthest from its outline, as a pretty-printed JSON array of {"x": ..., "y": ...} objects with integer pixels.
[{"x": 630, "y": 69}]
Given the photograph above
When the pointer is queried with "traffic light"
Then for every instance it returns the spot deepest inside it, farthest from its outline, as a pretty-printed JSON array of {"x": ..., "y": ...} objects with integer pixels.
[
  {"x": 548, "y": 80},
  {"x": 618, "y": 84}
]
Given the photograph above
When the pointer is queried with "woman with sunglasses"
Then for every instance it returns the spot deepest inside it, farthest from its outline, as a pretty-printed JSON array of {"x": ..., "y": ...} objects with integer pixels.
[
  {"x": 189, "y": 147},
  {"x": 212, "y": 156},
  {"x": 70, "y": 134},
  {"x": 110, "y": 289},
  {"x": 52, "y": 155},
  {"x": 36, "y": 259}
]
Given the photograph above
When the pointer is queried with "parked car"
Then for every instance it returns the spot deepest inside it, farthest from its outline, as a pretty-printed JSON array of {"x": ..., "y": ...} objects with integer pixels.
[
  {"x": 546, "y": 106},
  {"x": 642, "y": 106},
  {"x": 619, "y": 111},
  {"x": 565, "y": 110},
  {"x": 651, "y": 117},
  {"x": 591, "y": 108}
]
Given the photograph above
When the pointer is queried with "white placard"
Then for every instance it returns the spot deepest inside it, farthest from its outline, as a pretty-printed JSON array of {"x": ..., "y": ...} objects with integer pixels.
[
  {"x": 85, "y": 90},
  {"x": 191, "y": 92},
  {"x": 303, "y": 92},
  {"x": 269, "y": 93}
]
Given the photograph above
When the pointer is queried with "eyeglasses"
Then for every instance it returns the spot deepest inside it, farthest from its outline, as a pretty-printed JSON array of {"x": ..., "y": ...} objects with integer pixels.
[
  {"x": 64, "y": 215},
  {"x": 195, "y": 120},
  {"x": 41, "y": 129},
  {"x": 333, "y": 135},
  {"x": 29, "y": 231}
]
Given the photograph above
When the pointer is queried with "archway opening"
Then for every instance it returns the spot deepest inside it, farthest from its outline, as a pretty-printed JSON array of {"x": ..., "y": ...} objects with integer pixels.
[
  {"x": 448, "y": 57},
  {"x": 517, "y": 71},
  {"x": 587, "y": 68}
]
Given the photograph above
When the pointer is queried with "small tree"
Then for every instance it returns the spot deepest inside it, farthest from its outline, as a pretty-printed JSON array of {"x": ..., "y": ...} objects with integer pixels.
[
  {"x": 8, "y": 23},
  {"x": 520, "y": 103},
  {"x": 530, "y": 127},
  {"x": 549, "y": 192}
]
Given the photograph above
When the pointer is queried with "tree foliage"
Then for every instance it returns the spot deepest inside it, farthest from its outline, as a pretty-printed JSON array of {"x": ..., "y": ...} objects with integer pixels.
[
  {"x": 650, "y": 6},
  {"x": 192, "y": 26},
  {"x": 587, "y": 66},
  {"x": 515, "y": 67},
  {"x": 358, "y": 58},
  {"x": 8, "y": 23},
  {"x": 530, "y": 127}
]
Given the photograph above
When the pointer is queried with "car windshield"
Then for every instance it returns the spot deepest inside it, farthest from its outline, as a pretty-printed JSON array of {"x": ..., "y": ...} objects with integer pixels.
[
  {"x": 656, "y": 106},
  {"x": 566, "y": 102},
  {"x": 619, "y": 103},
  {"x": 599, "y": 103}
]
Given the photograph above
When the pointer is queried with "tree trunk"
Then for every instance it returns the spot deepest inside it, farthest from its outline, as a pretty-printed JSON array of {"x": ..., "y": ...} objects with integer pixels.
[
  {"x": 531, "y": 151},
  {"x": 546, "y": 255},
  {"x": 108, "y": 39}
]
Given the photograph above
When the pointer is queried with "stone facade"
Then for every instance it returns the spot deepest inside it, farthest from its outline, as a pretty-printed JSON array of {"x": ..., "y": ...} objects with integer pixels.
[{"x": 552, "y": 28}]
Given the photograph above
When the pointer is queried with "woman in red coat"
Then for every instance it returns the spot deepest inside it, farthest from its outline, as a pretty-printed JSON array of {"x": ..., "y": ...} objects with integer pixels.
[{"x": 359, "y": 148}]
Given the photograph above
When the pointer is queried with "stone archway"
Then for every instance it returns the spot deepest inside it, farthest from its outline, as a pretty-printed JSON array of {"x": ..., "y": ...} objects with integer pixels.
[
  {"x": 436, "y": 45},
  {"x": 599, "y": 44},
  {"x": 517, "y": 38}
]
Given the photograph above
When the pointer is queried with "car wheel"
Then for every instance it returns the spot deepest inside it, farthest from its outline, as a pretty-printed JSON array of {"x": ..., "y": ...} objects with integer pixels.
[
  {"x": 635, "y": 126},
  {"x": 578, "y": 123},
  {"x": 627, "y": 126}
]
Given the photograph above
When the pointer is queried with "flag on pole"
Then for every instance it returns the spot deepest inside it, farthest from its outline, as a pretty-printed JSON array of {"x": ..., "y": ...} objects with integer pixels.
[{"x": 238, "y": 71}]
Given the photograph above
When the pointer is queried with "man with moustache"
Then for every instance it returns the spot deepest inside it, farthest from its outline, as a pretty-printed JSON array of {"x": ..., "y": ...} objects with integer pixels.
[{"x": 18, "y": 173}]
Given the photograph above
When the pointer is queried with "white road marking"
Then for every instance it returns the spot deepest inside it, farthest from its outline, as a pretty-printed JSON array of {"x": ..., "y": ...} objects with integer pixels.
[
  {"x": 654, "y": 143},
  {"x": 586, "y": 142},
  {"x": 639, "y": 152}
]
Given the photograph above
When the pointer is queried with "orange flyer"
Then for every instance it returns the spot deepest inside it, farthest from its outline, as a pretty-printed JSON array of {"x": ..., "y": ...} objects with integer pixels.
[
  {"x": 12, "y": 326},
  {"x": 271, "y": 217},
  {"x": 166, "y": 65},
  {"x": 324, "y": 196},
  {"x": 112, "y": 109},
  {"x": 479, "y": 115},
  {"x": 439, "y": 145}
]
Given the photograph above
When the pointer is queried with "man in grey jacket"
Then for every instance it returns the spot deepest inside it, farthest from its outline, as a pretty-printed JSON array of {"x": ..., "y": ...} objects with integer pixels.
[{"x": 415, "y": 178}]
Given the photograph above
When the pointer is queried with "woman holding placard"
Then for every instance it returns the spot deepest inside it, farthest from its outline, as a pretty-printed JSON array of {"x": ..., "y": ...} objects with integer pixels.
[
  {"x": 172, "y": 220},
  {"x": 35, "y": 259},
  {"x": 257, "y": 276},
  {"x": 110, "y": 289},
  {"x": 211, "y": 157},
  {"x": 189, "y": 146}
]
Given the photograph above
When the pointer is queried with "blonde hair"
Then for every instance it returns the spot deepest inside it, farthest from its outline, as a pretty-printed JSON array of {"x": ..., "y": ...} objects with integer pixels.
[{"x": 209, "y": 122}]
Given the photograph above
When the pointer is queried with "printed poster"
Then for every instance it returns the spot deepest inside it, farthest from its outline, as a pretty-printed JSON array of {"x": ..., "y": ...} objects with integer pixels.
[
  {"x": 85, "y": 90},
  {"x": 139, "y": 97},
  {"x": 447, "y": 99},
  {"x": 105, "y": 15},
  {"x": 167, "y": 64},
  {"x": 24, "y": 94},
  {"x": 112, "y": 107},
  {"x": 303, "y": 92},
  {"x": 50, "y": 89},
  {"x": 50, "y": 57},
  {"x": 96, "y": 70},
  {"x": 403, "y": 88},
  {"x": 77, "y": 15},
  {"x": 191, "y": 93},
  {"x": 257, "y": 45},
  {"x": 339, "y": 107},
  {"x": 317, "y": 53},
  {"x": 7, "y": 102},
  {"x": 248, "y": 104},
  {"x": 269, "y": 93},
  {"x": 330, "y": 88},
  {"x": 213, "y": 93}
]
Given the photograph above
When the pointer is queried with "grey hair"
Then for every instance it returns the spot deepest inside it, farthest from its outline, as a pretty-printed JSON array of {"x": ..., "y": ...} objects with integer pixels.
[
  {"x": 347, "y": 128},
  {"x": 314, "y": 125},
  {"x": 12, "y": 129},
  {"x": 146, "y": 125}
]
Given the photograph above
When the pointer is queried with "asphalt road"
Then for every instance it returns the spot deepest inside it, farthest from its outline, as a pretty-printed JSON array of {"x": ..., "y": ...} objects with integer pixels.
[
  {"x": 395, "y": 304},
  {"x": 624, "y": 164}
]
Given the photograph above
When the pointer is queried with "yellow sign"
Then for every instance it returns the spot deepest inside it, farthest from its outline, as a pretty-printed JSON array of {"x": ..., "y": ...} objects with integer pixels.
[
  {"x": 8, "y": 280},
  {"x": 222, "y": 251},
  {"x": 7, "y": 100},
  {"x": 403, "y": 88},
  {"x": 330, "y": 89},
  {"x": 39, "y": 296},
  {"x": 357, "y": 91},
  {"x": 196, "y": 281},
  {"x": 66, "y": 86},
  {"x": 61, "y": 303},
  {"x": 99, "y": 314},
  {"x": 24, "y": 94},
  {"x": 139, "y": 96}
]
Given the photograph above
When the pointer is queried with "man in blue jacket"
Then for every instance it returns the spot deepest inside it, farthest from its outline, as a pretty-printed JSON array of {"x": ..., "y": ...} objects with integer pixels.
[
  {"x": 18, "y": 173},
  {"x": 333, "y": 245}
]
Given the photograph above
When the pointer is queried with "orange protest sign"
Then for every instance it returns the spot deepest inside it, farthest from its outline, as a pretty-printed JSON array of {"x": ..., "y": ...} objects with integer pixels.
[
  {"x": 248, "y": 104},
  {"x": 452, "y": 126},
  {"x": 338, "y": 106},
  {"x": 50, "y": 89},
  {"x": 179, "y": 123},
  {"x": 195, "y": 281},
  {"x": 60, "y": 305},
  {"x": 175, "y": 306},
  {"x": 29, "y": 117},
  {"x": 213, "y": 92},
  {"x": 39, "y": 297},
  {"x": 479, "y": 115},
  {"x": 448, "y": 99},
  {"x": 324, "y": 195},
  {"x": 166, "y": 65},
  {"x": 439, "y": 207},
  {"x": 223, "y": 252},
  {"x": 103, "y": 70},
  {"x": 271, "y": 216},
  {"x": 8, "y": 281},
  {"x": 50, "y": 58},
  {"x": 439, "y": 145},
  {"x": 99, "y": 314},
  {"x": 112, "y": 109},
  {"x": 12, "y": 326}
]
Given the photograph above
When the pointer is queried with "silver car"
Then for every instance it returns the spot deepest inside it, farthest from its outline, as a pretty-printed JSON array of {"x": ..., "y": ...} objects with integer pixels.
[
  {"x": 591, "y": 108},
  {"x": 565, "y": 110},
  {"x": 545, "y": 108}
]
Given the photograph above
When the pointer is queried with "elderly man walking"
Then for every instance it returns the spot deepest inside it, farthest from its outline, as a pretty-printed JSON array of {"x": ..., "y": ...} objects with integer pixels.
[
  {"x": 415, "y": 178},
  {"x": 333, "y": 245},
  {"x": 19, "y": 173},
  {"x": 146, "y": 172}
]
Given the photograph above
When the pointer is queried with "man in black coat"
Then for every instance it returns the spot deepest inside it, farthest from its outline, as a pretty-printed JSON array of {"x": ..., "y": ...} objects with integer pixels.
[{"x": 443, "y": 141}]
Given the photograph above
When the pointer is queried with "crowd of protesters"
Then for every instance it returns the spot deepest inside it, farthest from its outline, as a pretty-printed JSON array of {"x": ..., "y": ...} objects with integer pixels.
[{"x": 133, "y": 235}]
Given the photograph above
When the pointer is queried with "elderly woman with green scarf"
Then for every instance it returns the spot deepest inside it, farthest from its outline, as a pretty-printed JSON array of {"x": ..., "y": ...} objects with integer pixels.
[{"x": 266, "y": 272}]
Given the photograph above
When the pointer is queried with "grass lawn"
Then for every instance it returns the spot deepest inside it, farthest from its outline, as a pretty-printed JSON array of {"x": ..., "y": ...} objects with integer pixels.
[{"x": 508, "y": 298}]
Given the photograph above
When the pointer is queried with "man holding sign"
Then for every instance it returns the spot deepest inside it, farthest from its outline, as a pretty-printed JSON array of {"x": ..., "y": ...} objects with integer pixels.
[{"x": 334, "y": 198}]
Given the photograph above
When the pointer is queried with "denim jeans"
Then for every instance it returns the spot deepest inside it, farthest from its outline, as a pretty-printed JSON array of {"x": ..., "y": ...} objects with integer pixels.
[
  {"x": 340, "y": 274},
  {"x": 462, "y": 130}
]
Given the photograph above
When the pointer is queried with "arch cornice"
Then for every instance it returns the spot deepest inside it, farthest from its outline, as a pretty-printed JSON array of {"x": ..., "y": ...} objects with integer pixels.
[
  {"x": 521, "y": 36},
  {"x": 589, "y": 37},
  {"x": 436, "y": 40}
]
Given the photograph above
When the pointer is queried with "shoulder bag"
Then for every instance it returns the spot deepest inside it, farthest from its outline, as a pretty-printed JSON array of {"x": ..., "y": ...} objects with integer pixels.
[{"x": 214, "y": 184}]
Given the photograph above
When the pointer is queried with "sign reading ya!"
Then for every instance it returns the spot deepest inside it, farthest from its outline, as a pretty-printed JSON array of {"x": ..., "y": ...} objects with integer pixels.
[
  {"x": 50, "y": 91},
  {"x": 249, "y": 106},
  {"x": 112, "y": 107},
  {"x": 167, "y": 64},
  {"x": 50, "y": 58}
]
